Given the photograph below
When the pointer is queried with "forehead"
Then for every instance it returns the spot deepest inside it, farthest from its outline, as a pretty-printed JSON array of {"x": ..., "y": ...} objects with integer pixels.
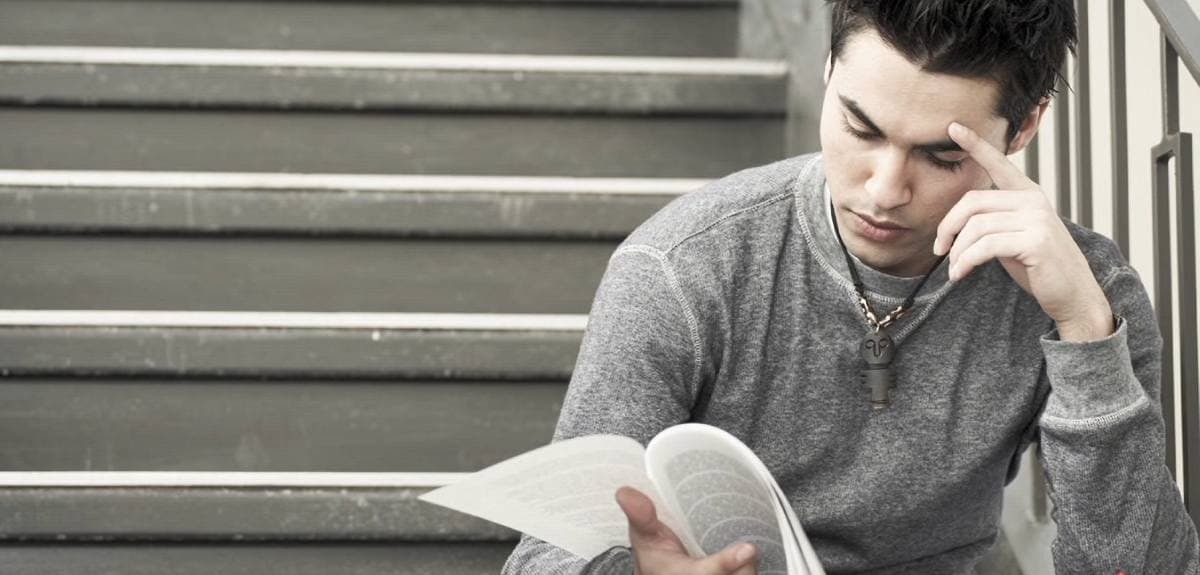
[{"x": 906, "y": 102}]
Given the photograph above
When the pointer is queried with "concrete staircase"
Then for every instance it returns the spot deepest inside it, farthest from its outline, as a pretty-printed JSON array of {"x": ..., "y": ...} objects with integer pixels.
[{"x": 273, "y": 269}]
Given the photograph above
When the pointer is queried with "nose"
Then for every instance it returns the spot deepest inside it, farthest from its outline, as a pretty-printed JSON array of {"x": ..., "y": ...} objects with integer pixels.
[{"x": 888, "y": 185}]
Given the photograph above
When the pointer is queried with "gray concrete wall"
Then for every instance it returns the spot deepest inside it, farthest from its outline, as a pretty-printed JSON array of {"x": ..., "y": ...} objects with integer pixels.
[{"x": 797, "y": 31}]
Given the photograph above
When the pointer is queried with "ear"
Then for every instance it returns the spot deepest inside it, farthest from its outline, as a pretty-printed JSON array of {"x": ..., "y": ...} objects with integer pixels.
[
  {"x": 828, "y": 67},
  {"x": 1029, "y": 126}
]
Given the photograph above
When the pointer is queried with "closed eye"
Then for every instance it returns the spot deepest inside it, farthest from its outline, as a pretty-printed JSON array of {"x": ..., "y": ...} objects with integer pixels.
[
  {"x": 860, "y": 134},
  {"x": 945, "y": 164}
]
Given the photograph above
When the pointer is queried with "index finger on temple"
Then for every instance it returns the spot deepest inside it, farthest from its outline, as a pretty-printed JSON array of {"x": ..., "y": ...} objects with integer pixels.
[{"x": 1002, "y": 171}]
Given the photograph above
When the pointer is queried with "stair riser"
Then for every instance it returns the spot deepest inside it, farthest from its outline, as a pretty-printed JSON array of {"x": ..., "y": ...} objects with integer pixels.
[
  {"x": 247, "y": 273},
  {"x": 499, "y": 27},
  {"x": 379, "y": 143},
  {"x": 255, "y": 514},
  {"x": 240, "y": 425},
  {"x": 345, "y": 212},
  {"x": 302, "y": 558},
  {"x": 339, "y": 88},
  {"x": 284, "y": 352}
]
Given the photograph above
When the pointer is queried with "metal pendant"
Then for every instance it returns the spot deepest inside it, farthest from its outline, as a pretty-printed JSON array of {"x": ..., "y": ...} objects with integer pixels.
[{"x": 878, "y": 350}]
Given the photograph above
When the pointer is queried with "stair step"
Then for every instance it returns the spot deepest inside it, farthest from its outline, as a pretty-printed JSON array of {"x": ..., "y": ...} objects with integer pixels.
[
  {"x": 168, "y": 241},
  {"x": 295, "y": 80},
  {"x": 603, "y": 117},
  {"x": 658, "y": 27},
  {"x": 289, "y": 344},
  {"x": 232, "y": 506},
  {"x": 87, "y": 390},
  {"x": 139, "y": 422},
  {"x": 299, "y": 273},
  {"x": 290, "y": 558},
  {"x": 341, "y": 204},
  {"x": 433, "y": 143}
]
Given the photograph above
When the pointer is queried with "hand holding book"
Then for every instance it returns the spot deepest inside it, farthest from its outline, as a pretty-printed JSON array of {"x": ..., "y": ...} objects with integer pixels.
[
  {"x": 694, "y": 493},
  {"x": 658, "y": 551}
]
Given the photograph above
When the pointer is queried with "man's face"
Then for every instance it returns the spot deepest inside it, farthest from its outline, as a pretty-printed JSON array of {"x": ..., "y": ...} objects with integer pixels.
[{"x": 888, "y": 157}]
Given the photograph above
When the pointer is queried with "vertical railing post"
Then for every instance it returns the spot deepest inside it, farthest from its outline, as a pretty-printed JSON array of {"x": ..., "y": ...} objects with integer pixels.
[
  {"x": 1189, "y": 371},
  {"x": 1160, "y": 207},
  {"x": 1083, "y": 119},
  {"x": 1062, "y": 148},
  {"x": 1178, "y": 146},
  {"x": 1120, "y": 145}
]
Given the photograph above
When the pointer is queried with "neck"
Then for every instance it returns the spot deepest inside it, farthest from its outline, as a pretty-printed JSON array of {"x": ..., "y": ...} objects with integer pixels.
[{"x": 908, "y": 269}]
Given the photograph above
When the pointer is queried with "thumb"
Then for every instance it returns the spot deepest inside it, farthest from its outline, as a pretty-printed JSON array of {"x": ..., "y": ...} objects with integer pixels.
[
  {"x": 736, "y": 559},
  {"x": 639, "y": 510}
]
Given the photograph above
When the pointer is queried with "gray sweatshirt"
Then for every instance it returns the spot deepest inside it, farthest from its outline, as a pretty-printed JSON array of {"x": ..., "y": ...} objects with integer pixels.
[{"x": 733, "y": 306}]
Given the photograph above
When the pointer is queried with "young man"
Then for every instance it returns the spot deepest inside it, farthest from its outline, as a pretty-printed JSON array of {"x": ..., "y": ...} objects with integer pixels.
[{"x": 737, "y": 306}]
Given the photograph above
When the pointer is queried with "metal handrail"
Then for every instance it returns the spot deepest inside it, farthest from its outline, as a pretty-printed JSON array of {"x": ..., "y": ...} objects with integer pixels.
[
  {"x": 1180, "y": 27},
  {"x": 1180, "y": 41}
]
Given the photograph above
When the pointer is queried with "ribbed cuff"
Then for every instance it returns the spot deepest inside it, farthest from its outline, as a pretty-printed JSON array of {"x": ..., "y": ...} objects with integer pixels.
[
  {"x": 615, "y": 561},
  {"x": 1091, "y": 378}
]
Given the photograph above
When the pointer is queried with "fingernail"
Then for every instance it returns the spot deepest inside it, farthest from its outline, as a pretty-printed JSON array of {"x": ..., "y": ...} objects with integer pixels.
[
  {"x": 957, "y": 129},
  {"x": 745, "y": 552}
]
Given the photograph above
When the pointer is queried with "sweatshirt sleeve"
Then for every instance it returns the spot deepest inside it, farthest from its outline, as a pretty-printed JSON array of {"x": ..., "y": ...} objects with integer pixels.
[
  {"x": 637, "y": 373},
  {"x": 1102, "y": 436}
]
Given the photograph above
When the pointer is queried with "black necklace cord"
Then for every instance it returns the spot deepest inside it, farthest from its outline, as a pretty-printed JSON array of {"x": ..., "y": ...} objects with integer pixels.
[{"x": 858, "y": 284}]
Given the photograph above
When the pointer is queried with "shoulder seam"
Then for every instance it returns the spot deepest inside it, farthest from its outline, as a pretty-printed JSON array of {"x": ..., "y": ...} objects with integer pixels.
[
  {"x": 680, "y": 298},
  {"x": 722, "y": 219}
]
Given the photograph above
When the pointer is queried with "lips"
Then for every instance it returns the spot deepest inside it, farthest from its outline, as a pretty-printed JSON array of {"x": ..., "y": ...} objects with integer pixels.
[
  {"x": 876, "y": 230},
  {"x": 879, "y": 224}
]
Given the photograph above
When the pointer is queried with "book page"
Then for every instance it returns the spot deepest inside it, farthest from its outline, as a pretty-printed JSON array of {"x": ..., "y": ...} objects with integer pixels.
[
  {"x": 802, "y": 552},
  {"x": 711, "y": 486},
  {"x": 563, "y": 493}
]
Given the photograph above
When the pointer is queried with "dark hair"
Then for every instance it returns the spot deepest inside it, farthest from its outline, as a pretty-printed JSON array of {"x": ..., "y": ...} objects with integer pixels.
[{"x": 1020, "y": 45}]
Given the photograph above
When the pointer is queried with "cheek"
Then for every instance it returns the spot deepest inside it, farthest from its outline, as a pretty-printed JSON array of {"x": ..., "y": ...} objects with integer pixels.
[
  {"x": 843, "y": 165},
  {"x": 844, "y": 158},
  {"x": 939, "y": 211},
  {"x": 828, "y": 136},
  {"x": 834, "y": 138},
  {"x": 939, "y": 194},
  {"x": 972, "y": 177}
]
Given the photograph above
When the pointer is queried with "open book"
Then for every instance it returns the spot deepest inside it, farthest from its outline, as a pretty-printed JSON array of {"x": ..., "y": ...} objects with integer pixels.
[{"x": 707, "y": 486}]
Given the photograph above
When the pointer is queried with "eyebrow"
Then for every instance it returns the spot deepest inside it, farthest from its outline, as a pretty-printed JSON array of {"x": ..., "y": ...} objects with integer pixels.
[{"x": 928, "y": 147}]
